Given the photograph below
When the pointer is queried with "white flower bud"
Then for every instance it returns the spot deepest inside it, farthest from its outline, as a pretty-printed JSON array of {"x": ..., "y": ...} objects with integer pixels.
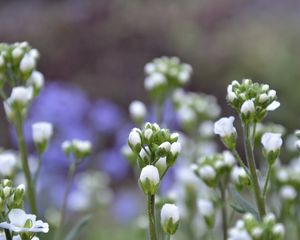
[
  {"x": 36, "y": 79},
  {"x": 229, "y": 159},
  {"x": 278, "y": 230},
  {"x": 248, "y": 107},
  {"x": 297, "y": 144},
  {"x": 42, "y": 132},
  {"x": 207, "y": 173},
  {"x": 134, "y": 138},
  {"x": 224, "y": 127},
  {"x": 8, "y": 162},
  {"x": 148, "y": 133},
  {"x": 154, "y": 80},
  {"x": 265, "y": 87},
  {"x": 7, "y": 191},
  {"x": 82, "y": 146},
  {"x": 269, "y": 218},
  {"x": 238, "y": 174},
  {"x": 170, "y": 218},
  {"x": 231, "y": 96},
  {"x": 66, "y": 146},
  {"x": 137, "y": 110},
  {"x": 149, "y": 179},
  {"x": 183, "y": 76},
  {"x": 271, "y": 141},
  {"x": 288, "y": 193},
  {"x": 21, "y": 95},
  {"x": 257, "y": 232},
  {"x": 17, "y": 52},
  {"x": 263, "y": 97},
  {"x": 34, "y": 53},
  {"x": 27, "y": 63},
  {"x": 174, "y": 136},
  {"x": 175, "y": 148},
  {"x": 2, "y": 61},
  {"x": 165, "y": 146},
  {"x": 272, "y": 94},
  {"x": 149, "y": 68}
]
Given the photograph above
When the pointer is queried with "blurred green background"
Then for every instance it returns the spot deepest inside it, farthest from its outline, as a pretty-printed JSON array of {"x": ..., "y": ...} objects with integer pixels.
[{"x": 102, "y": 46}]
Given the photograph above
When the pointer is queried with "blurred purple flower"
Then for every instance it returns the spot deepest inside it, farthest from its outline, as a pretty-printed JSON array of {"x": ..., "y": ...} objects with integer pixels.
[
  {"x": 106, "y": 117},
  {"x": 112, "y": 162}
]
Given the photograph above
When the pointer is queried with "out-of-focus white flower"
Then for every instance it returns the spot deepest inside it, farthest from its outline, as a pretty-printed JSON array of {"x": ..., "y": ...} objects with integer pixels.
[
  {"x": 278, "y": 230},
  {"x": 154, "y": 80},
  {"x": 27, "y": 63},
  {"x": 8, "y": 163},
  {"x": 17, "y": 220},
  {"x": 229, "y": 159},
  {"x": 165, "y": 146},
  {"x": 224, "y": 127},
  {"x": 288, "y": 193},
  {"x": 238, "y": 175},
  {"x": 137, "y": 110},
  {"x": 248, "y": 107},
  {"x": 271, "y": 141},
  {"x": 36, "y": 79},
  {"x": 17, "y": 52},
  {"x": 21, "y": 95},
  {"x": 83, "y": 146},
  {"x": 169, "y": 218},
  {"x": 272, "y": 94},
  {"x": 207, "y": 173},
  {"x": 175, "y": 148},
  {"x": 42, "y": 132},
  {"x": 273, "y": 106},
  {"x": 205, "y": 207},
  {"x": 134, "y": 138}
]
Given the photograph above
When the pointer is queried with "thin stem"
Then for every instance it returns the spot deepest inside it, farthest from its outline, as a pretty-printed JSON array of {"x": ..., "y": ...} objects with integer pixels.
[
  {"x": 25, "y": 166},
  {"x": 36, "y": 174},
  {"x": 253, "y": 133},
  {"x": 7, "y": 234},
  {"x": 251, "y": 163},
  {"x": 151, "y": 217},
  {"x": 168, "y": 237},
  {"x": 224, "y": 211},
  {"x": 267, "y": 181},
  {"x": 70, "y": 178},
  {"x": 238, "y": 158}
]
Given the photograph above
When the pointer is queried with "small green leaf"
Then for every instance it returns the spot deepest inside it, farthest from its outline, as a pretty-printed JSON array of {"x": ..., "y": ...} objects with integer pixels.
[
  {"x": 244, "y": 204},
  {"x": 73, "y": 234}
]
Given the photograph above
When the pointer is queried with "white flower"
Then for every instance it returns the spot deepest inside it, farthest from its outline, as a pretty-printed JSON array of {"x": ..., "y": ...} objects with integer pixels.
[
  {"x": 237, "y": 174},
  {"x": 150, "y": 172},
  {"x": 288, "y": 193},
  {"x": 66, "y": 145},
  {"x": 17, "y": 219},
  {"x": 161, "y": 163},
  {"x": 21, "y": 95},
  {"x": 175, "y": 148},
  {"x": 8, "y": 162},
  {"x": 248, "y": 107},
  {"x": 205, "y": 207},
  {"x": 207, "y": 173},
  {"x": 36, "y": 79},
  {"x": 42, "y": 131},
  {"x": 273, "y": 106},
  {"x": 169, "y": 211},
  {"x": 272, "y": 94},
  {"x": 184, "y": 76},
  {"x": 231, "y": 96},
  {"x": 271, "y": 141},
  {"x": 34, "y": 53},
  {"x": 265, "y": 87},
  {"x": 149, "y": 68},
  {"x": 257, "y": 232},
  {"x": 224, "y": 127},
  {"x": 134, "y": 138},
  {"x": 238, "y": 234},
  {"x": 137, "y": 110},
  {"x": 263, "y": 97},
  {"x": 27, "y": 63}
]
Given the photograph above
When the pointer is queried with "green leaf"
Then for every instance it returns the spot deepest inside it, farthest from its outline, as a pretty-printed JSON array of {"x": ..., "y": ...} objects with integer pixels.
[
  {"x": 74, "y": 233},
  {"x": 237, "y": 209},
  {"x": 244, "y": 204}
]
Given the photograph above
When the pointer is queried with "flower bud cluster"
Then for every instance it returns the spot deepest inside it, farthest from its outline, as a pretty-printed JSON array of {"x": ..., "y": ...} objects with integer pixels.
[
  {"x": 164, "y": 74},
  {"x": 193, "y": 108},
  {"x": 10, "y": 196},
  {"x": 156, "y": 149},
  {"x": 249, "y": 228},
  {"x": 251, "y": 100},
  {"x": 211, "y": 168},
  {"x": 80, "y": 149},
  {"x": 18, "y": 66}
]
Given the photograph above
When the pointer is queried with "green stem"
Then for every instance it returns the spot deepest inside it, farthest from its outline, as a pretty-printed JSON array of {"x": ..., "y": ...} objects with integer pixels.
[
  {"x": 251, "y": 163},
  {"x": 224, "y": 211},
  {"x": 7, "y": 234},
  {"x": 253, "y": 134},
  {"x": 25, "y": 166},
  {"x": 168, "y": 237},
  {"x": 36, "y": 174},
  {"x": 151, "y": 217},
  {"x": 267, "y": 181},
  {"x": 71, "y": 174},
  {"x": 240, "y": 161}
]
